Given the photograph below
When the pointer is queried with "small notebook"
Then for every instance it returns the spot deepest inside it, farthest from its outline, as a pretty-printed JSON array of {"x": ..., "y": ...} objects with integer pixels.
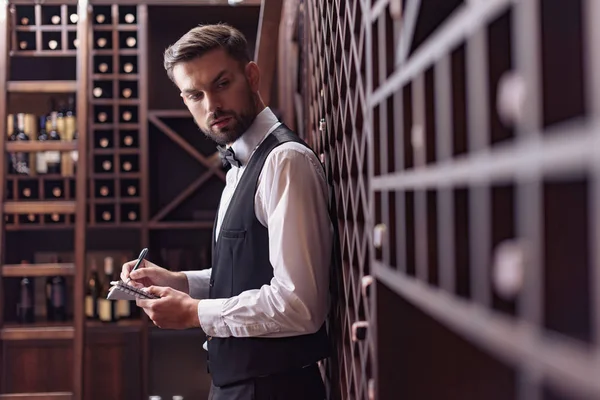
[{"x": 122, "y": 291}]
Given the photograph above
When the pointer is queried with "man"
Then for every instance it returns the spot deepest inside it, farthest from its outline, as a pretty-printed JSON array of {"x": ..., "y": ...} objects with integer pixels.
[{"x": 264, "y": 302}]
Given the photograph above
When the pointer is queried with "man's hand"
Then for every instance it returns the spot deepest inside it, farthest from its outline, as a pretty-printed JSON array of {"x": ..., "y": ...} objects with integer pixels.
[
  {"x": 174, "y": 309},
  {"x": 148, "y": 274}
]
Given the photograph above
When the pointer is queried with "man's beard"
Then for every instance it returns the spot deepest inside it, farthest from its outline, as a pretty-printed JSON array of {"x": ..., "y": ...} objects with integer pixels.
[{"x": 240, "y": 122}]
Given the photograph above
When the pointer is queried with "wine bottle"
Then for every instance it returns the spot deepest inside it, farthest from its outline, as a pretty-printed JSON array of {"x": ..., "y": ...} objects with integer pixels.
[
  {"x": 101, "y": 42},
  {"x": 53, "y": 160},
  {"x": 60, "y": 119},
  {"x": 131, "y": 41},
  {"x": 21, "y": 160},
  {"x": 128, "y": 141},
  {"x": 129, "y": 188},
  {"x": 129, "y": 18},
  {"x": 75, "y": 154},
  {"x": 106, "y": 308},
  {"x": 107, "y": 165},
  {"x": 41, "y": 164},
  {"x": 92, "y": 293},
  {"x": 107, "y": 216},
  {"x": 69, "y": 133},
  {"x": 132, "y": 215},
  {"x": 26, "y": 302},
  {"x": 10, "y": 132},
  {"x": 100, "y": 18},
  {"x": 28, "y": 219},
  {"x": 56, "y": 290}
]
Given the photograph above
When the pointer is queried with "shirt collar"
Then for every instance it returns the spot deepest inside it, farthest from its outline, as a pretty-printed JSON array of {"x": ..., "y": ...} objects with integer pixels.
[{"x": 245, "y": 145}]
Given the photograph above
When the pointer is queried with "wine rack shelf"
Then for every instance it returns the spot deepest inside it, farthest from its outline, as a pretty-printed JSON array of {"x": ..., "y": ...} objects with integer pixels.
[
  {"x": 115, "y": 126},
  {"x": 37, "y": 331},
  {"x": 44, "y": 30},
  {"x": 19, "y": 270},
  {"x": 38, "y": 396},
  {"x": 35, "y": 146},
  {"x": 42, "y": 86},
  {"x": 39, "y": 207}
]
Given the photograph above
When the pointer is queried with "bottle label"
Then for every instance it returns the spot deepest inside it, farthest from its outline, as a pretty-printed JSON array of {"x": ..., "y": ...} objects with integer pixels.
[
  {"x": 104, "y": 310},
  {"x": 70, "y": 123},
  {"x": 89, "y": 306},
  {"x": 26, "y": 301},
  {"x": 41, "y": 163},
  {"x": 123, "y": 308},
  {"x": 52, "y": 157},
  {"x": 58, "y": 294}
]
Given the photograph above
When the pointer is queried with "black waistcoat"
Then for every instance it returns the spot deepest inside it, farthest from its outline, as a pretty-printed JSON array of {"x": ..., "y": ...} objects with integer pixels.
[{"x": 240, "y": 263}]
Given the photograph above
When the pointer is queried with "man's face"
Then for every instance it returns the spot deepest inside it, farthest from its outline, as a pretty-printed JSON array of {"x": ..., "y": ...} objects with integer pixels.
[{"x": 220, "y": 93}]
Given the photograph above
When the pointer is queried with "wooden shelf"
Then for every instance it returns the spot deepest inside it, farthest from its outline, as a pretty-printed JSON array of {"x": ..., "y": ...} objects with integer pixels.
[
  {"x": 118, "y": 101},
  {"x": 112, "y": 175},
  {"x": 46, "y": 28},
  {"x": 120, "y": 27},
  {"x": 112, "y": 77},
  {"x": 42, "y": 86},
  {"x": 35, "y": 145},
  {"x": 45, "y": 2},
  {"x": 37, "y": 331},
  {"x": 114, "y": 225},
  {"x": 43, "y": 53},
  {"x": 38, "y": 227},
  {"x": 114, "y": 200},
  {"x": 18, "y": 270},
  {"x": 46, "y": 177},
  {"x": 37, "y": 396},
  {"x": 128, "y": 325},
  {"x": 115, "y": 125},
  {"x": 110, "y": 152},
  {"x": 110, "y": 52},
  {"x": 39, "y": 207}
]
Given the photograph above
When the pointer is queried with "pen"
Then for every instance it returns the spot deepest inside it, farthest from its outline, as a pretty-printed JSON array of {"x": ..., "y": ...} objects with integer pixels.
[{"x": 139, "y": 261}]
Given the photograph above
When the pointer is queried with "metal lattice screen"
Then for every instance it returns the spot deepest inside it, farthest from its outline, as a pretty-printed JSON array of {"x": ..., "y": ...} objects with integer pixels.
[{"x": 463, "y": 139}]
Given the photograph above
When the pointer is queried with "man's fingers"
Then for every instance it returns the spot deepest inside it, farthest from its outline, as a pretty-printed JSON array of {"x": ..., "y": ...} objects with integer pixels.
[
  {"x": 126, "y": 269},
  {"x": 159, "y": 291},
  {"x": 141, "y": 272}
]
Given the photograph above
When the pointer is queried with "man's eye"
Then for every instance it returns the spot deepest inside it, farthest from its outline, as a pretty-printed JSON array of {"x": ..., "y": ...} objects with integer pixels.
[
  {"x": 196, "y": 96},
  {"x": 223, "y": 84}
]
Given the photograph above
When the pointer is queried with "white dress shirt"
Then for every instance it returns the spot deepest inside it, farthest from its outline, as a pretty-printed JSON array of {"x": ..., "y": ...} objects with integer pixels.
[{"x": 291, "y": 201}]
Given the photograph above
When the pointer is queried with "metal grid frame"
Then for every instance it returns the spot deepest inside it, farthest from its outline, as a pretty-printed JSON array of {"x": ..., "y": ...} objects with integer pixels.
[{"x": 382, "y": 114}]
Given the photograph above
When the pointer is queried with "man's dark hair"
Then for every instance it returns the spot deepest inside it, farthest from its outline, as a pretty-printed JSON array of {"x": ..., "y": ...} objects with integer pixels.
[{"x": 204, "y": 38}]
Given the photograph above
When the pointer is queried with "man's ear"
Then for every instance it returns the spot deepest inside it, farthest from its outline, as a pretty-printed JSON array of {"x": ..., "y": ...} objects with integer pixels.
[{"x": 253, "y": 75}]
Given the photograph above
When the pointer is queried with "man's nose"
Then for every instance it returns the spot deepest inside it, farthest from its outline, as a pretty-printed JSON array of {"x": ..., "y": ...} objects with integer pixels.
[{"x": 213, "y": 103}]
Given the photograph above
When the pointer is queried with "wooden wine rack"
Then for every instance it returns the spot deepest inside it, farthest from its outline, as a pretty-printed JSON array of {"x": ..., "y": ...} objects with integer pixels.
[
  {"x": 49, "y": 31},
  {"x": 118, "y": 126}
]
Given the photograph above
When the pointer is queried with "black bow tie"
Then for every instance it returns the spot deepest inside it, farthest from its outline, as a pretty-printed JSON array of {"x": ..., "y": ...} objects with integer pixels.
[{"x": 228, "y": 156}]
